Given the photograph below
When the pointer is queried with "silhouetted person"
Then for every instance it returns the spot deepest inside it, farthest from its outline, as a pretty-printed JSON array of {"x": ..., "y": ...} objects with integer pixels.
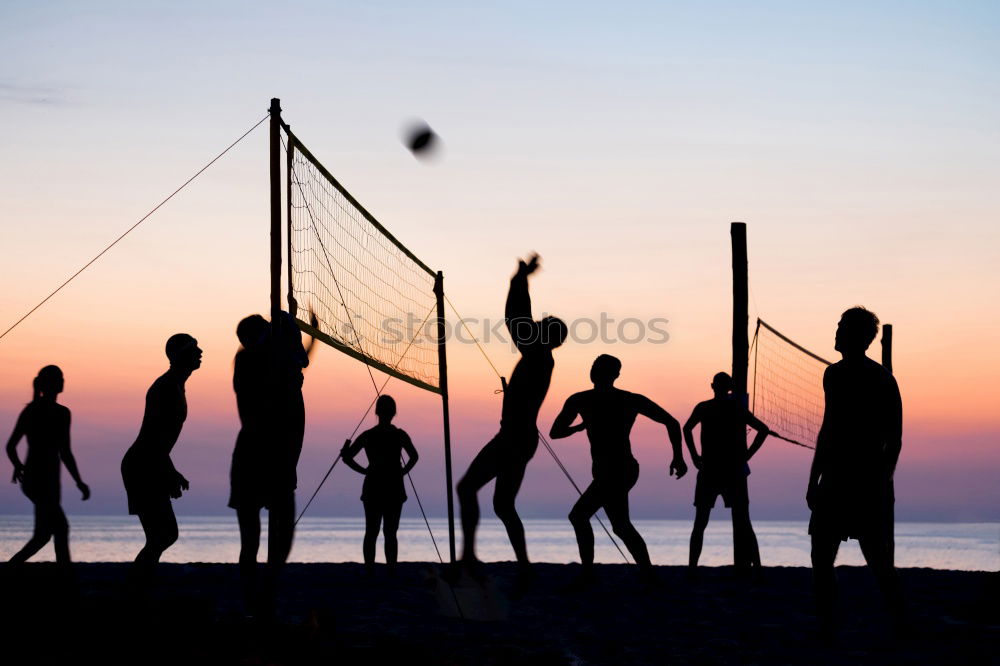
[
  {"x": 506, "y": 456},
  {"x": 722, "y": 469},
  {"x": 850, "y": 484},
  {"x": 287, "y": 358},
  {"x": 45, "y": 423},
  {"x": 383, "y": 493},
  {"x": 608, "y": 414},
  {"x": 151, "y": 479},
  {"x": 249, "y": 474}
]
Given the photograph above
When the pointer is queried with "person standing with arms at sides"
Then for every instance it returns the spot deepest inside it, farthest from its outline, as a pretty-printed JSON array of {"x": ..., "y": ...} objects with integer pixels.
[
  {"x": 850, "y": 484},
  {"x": 45, "y": 423},
  {"x": 607, "y": 414},
  {"x": 506, "y": 456},
  {"x": 383, "y": 493},
  {"x": 723, "y": 469},
  {"x": 150, "y": 478}
]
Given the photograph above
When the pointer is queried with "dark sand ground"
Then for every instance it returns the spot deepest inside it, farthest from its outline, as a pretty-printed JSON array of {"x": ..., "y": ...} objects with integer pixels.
[{"x": 332, "y": 614}]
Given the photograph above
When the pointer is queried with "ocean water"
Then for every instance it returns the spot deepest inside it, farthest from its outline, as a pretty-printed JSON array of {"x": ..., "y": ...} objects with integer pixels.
[{"x": 962, "y": 546}]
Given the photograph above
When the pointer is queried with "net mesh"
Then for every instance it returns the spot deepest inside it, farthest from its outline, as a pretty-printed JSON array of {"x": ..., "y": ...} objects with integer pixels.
[
  {"x": 787, "y": 386},
  {"x": 373, "y": 298}
]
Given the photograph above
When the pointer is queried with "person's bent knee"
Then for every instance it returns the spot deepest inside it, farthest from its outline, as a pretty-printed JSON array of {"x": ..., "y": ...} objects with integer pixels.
[
  {"x": 624, "y": 530},
  {"x": 465, "y": 488},
  {"x": 578, "y": 517},
  {"x": 504, "y": 510}
]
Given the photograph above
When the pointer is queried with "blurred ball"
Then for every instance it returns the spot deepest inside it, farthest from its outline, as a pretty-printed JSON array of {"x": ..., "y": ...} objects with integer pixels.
[{"x": 421, "y": 140}]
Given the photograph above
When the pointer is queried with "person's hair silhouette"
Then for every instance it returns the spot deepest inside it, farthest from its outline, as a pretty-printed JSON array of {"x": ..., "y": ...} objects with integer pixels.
[
  {"x": 250, "y": 468},
  {"x": 723, "y": 469},
  {"x": 506, "y": 456},
  {"x": 45, "y": 424},
  {"x": 150, "y": 478},
  {"x": 383, "y": 493},
  {"x": 850, "y": 484},
  {"x": 607, "y": 414}
]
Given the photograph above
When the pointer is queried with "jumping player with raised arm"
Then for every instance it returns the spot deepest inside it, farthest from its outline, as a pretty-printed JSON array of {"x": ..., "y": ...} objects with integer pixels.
[
  {"x": 608, "y": 414},
  {"x": 722, "y": 469},
  {"x": 506, "y": 456}
]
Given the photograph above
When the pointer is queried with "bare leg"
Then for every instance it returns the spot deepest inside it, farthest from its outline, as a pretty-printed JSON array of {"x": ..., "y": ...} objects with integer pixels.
[
  {"x": 41, "y": 535},
  {"x": 504, "y": 494},
  {"x": 373, "y": 521},
  {"x": 824, "y": 554},
  {"x": 616, "y": 505},
  {"x": 701, "y": 517},
  {"x": 60, "y": 534},
  {"x": 249, "y": 521},
  {"x": 879, "y": 559},
  {"x": 579, "y": 517},
  {"x": 482, "y": 470},
  {"x": 160, "y": 527},
  {"x": 280, "y": 534},
  {"x": 390, "y": 525}
]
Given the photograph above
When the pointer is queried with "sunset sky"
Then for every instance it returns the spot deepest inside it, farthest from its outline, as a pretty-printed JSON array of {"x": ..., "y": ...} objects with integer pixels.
[{"x": 859, "y": 143}]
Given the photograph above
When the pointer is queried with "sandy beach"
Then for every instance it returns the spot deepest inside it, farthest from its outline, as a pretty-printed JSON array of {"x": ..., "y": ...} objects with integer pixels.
[{"x": 332, "y": 613}]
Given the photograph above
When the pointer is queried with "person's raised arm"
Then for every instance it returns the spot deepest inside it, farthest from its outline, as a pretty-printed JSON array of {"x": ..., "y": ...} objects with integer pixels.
[
  {"x": 15, "y": 437},
  {"x": 651, "y": 410},
  {"x": 563, "y": 425},
  {"x": 350, "y": 450},
  {"x": 517, "y": 312},
  {"x": 411, "y": 454},
  {"x": 692, "y": 421},
  {"x": 314, "y": 322},
  {"x": 761, "y": 433},
  {"x": 67, "y": 457}
]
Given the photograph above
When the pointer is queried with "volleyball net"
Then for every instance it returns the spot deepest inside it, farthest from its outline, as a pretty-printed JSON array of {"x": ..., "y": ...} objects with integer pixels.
[
  {"x": 786, "y": 386},
  {"x": 372, "y": 297}
]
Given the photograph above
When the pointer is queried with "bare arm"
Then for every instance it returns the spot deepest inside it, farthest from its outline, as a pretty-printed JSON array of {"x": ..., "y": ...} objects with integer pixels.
[
  {"x": 894, "y": 436},
  {"x": 692, "y": 421},
  {"x": 15, "y": 437},
  {"x": 762, "y": 431},
  {"x": 651, "y": 410},
  {"x": 411, "y": 454},
  {"x": 67, "y": 457},
  {"x": 563, "y": 425},
  {"x": 314, "y": 322},
  {"x": 350, "y": 450},
  {"x": 517, "y": 311},
  {"x": 819, "y": 458}
]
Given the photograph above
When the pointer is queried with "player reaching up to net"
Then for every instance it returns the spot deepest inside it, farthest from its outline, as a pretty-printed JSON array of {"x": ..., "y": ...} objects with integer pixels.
[
  {"x": 608, "y": 414},
  {"x": 850, "y": 484},
  {"x": 722, "y": 469},
  {"x": 287, "y": 358},
  {"x": 506, "y": 456},
  {"x": 383, "y": 493}
]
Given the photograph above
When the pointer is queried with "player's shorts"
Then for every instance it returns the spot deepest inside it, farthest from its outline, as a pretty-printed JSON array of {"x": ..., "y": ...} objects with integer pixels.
[
  {"x": 732, "y": 487},
  {"x": 512, "y": 447},
  {"x": 852, "y": 511}
]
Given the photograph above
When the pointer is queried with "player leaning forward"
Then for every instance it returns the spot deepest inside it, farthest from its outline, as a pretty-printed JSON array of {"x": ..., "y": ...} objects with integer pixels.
[
  {"x": 608, "y": 413},
  {"x": 506, "y": 456}
]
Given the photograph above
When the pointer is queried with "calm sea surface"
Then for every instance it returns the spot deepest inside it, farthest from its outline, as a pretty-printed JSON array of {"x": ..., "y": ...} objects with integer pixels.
[{"x": 966, "y": 546}]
